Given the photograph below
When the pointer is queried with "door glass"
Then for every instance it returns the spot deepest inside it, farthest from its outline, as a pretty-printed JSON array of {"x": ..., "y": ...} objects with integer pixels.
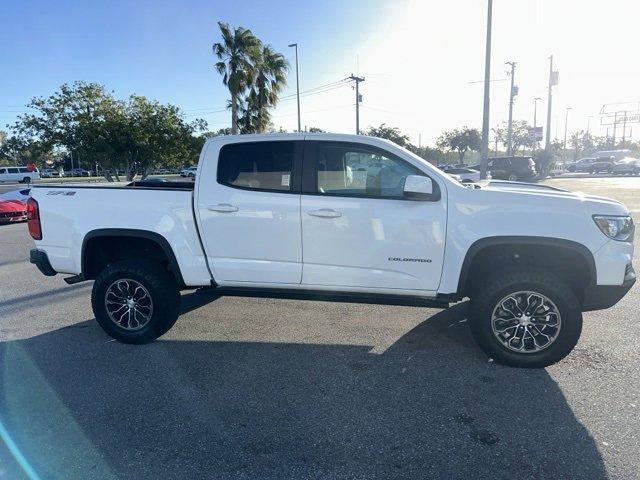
[
  {"x": 346, "y": 170},
  {"x": 13, "y": 170},
  {"x": 257, "y": 165}
]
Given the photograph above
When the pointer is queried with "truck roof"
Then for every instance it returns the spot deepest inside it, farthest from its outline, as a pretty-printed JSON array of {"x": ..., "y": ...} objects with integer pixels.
[{"x": 262, "y": 137}]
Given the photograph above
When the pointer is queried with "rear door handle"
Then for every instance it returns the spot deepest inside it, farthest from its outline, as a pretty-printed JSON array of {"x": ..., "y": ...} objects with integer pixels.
[
  {"x": 324, "y": 213},
  {"x": 223, "y": 208}
]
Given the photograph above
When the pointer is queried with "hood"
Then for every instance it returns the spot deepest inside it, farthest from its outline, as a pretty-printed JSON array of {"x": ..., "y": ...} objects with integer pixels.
[{"x": 551, "y": 197}]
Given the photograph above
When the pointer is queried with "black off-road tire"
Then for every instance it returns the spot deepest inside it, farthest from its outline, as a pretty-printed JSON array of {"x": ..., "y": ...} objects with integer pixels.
[
  {"x": 162, "y": 289},
  {"x": 526, "y": 278}
]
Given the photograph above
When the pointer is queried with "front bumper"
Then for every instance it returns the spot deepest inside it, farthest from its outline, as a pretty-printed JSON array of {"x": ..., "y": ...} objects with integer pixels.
[
  {"x": 40, "y": 260},
  {"x": 599, "y": 297}
]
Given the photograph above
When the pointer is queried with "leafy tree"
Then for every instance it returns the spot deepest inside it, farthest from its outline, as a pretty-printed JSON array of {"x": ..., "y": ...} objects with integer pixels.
[
  {"x": 520, "y": 138},
  {"x": 430, "y": 154},
  {"x": 88, "y": 122},
  {"x": 582, "y": 143},
  {"x": 235, "y": 54},
  {"x": 20, "y": 150},
  {"x": 316, "y": 130},
  {"x": 390, "y": 133},
  {"x": 461, "y": 141}
]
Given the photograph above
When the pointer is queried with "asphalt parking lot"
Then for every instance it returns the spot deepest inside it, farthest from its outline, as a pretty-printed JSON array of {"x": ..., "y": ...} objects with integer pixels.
[{"x": 259, "y": 389}]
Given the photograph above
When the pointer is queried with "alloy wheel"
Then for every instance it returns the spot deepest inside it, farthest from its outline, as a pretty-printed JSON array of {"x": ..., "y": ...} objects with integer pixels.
[
  {"x": 526, "y": 322},
  {"x": 128, "y": 304}
]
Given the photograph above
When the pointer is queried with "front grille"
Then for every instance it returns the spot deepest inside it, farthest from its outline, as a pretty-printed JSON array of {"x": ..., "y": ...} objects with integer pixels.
[{"x": 12, "y": 214}]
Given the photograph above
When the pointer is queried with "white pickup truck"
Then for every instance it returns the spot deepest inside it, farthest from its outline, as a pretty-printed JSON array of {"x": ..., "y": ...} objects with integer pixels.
[{"x": 345, "y": 218}]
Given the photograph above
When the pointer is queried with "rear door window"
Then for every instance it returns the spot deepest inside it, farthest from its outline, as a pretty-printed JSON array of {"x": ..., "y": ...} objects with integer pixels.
[
  {"x": 264, "y": 166},
  {"x": 13, "y": 170}
]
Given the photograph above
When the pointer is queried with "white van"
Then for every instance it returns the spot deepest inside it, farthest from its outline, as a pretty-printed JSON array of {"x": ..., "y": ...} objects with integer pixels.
[{"x": 18, "y": 174}]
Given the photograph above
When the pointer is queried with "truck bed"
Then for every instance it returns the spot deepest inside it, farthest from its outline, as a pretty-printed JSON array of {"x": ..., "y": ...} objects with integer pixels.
[{"x": 69, "y": 212}]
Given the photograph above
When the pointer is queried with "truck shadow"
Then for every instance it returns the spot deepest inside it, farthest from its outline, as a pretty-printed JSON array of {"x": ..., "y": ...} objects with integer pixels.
[{"x": 75, "y": 404}]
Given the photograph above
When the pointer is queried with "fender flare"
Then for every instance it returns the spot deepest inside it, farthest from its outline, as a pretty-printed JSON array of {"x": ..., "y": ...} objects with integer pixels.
[
  {"x": 162, "y": 242},
  {"x": 483, "y": 243}
]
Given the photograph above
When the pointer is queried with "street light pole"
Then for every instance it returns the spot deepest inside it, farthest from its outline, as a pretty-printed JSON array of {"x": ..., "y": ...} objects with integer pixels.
[
  {"x": 510, "y": 126},
  {"x": 485, "y": 112},
  {"x": 295, "y": 45}
]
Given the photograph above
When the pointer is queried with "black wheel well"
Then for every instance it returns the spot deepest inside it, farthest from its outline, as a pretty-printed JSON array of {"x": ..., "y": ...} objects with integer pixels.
[
  {"x": 573, "y": 263},
  {"x": 101, "y": 249}
]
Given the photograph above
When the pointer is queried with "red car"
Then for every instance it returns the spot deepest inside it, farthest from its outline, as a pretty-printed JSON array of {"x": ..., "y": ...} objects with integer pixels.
[{"x": 13, "y": 206}]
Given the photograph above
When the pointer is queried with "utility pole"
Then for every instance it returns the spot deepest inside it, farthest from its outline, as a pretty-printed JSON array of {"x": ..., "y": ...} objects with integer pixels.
[
  {"x": 615, "y": 125},
  {"x": 297, "y": 83},
  {"x": 535, "y": 122},
  {"x": 485, "y": 111},
  {"x": 566, "y": 122},
  {"x": 357, "y": 80},
  {"x": 552, "y": 81},
  {"x": 512, "y": 94}
]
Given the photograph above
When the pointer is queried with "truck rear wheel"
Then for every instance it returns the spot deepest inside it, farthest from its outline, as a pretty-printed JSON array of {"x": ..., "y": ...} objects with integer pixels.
[
  {"x": 526, "y": 318},
  {"x": 135, "y": 301}
]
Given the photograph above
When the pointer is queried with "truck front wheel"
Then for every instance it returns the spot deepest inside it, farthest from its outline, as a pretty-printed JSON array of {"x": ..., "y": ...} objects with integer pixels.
[
  {"x": 135, "y": 301},
  {"x": 526, "y": 318}
]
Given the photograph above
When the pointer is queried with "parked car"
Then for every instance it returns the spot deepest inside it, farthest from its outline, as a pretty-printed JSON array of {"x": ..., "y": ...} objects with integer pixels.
[
  {"x": 50, "y": 173},
  {"x": 466, "y": 175},
  {"x": 592, "y": 165},
  {"x": 288, "y": 216},
  {"x": 13, "y": 206},
  {"x": 189, "y": 172},
  {"x": 513, "y": 169},
  {"x": 78, "y": 172},
  {"x": 627, "y": 166},
  {"x": 18, "y": 174}
]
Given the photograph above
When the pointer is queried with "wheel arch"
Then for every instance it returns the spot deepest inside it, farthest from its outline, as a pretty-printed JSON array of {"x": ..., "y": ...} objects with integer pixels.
[
  {"x": 121, "y": 236},
  {"x": 568, "y": 249}
]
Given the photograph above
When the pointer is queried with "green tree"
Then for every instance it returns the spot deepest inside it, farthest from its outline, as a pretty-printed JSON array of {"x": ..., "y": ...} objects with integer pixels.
[
  {"x": 430, "y": 154},
  {"x": 582, "y": 143},
  {"x": 270, "y": 69},
  {"x": 20, "y": 150},
  {"x": 316, "y": 130},
  {"x": 235, "y": 53},
  {"x": 89, "y": 123},
  {"x": 390, "y": 133},
  {"x": 461, "y": 141}
]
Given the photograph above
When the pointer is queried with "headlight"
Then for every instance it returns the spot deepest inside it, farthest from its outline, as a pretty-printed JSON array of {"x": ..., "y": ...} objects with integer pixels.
[{"x": 615, "y": 227}]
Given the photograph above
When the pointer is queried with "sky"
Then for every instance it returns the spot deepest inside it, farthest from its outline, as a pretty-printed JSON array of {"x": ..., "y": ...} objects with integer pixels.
[{"x": 423, "y": 61}]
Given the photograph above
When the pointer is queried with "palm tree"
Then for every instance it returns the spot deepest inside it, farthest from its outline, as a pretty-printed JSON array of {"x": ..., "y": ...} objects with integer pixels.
[
  {"x": 270, "y": 70},
  {"x": 235, "y": 52}
]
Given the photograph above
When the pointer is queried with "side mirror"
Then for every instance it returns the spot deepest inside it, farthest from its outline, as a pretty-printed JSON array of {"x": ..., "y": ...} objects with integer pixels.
[{"x": 417, "y": 187}]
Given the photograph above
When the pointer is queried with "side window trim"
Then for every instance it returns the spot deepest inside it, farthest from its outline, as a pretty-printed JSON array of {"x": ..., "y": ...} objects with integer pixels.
[
  {"x": 310, "y": 170},
  {"x": 296, "y": 169}
]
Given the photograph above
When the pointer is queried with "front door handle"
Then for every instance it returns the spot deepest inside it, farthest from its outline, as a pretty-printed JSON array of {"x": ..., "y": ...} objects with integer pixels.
[
  {"x": 223, "y": 208},
  {"x": 324, "y": 213}
]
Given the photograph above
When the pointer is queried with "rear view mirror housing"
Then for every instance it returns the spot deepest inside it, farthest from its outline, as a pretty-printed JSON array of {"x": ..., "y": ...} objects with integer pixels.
[{"x": 418, "y": 187}]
